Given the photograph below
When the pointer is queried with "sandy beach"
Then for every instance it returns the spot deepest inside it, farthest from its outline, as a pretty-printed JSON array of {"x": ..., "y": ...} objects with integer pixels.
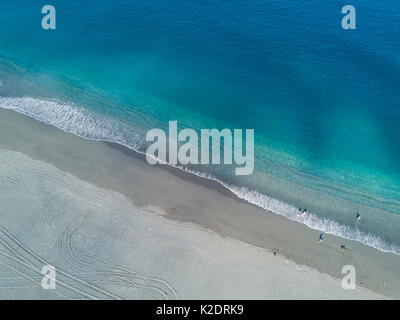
[{"x": 117, "y": 227}]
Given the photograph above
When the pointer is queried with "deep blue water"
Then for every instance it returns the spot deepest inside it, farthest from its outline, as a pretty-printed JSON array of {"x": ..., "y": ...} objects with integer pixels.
[{"x": 324, "y": 102}]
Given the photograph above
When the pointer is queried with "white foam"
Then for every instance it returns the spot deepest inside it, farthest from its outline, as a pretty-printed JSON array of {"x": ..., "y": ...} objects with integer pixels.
[
  {"x": 82, "y": 122},
  {"x": 311, "y": 220},
  {"x": 73, "y": 119}
]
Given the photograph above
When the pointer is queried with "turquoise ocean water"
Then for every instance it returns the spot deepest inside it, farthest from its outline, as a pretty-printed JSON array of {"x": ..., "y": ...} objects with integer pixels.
[{"x": 324, "y": 102}]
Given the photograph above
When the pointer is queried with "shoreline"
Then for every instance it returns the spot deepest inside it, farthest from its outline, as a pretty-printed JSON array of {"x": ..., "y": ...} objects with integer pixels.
[
  {"x": 184, "y": 175},
  {"x": 194, "y": 200},
  {"x": 33, "y": 108}
]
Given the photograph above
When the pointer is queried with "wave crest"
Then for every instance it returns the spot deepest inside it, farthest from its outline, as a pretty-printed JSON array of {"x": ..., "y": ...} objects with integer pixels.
[{"x": 73, "y": 119}]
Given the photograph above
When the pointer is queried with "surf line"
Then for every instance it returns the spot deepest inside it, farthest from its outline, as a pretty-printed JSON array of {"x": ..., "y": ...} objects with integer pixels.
[{"x": 188, "y": 152}]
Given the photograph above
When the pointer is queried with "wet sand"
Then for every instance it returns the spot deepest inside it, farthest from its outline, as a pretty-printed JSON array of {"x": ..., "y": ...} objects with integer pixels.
[{"x": 209, "y": 208}]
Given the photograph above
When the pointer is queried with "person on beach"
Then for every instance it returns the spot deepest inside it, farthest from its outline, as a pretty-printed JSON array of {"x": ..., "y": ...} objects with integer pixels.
[{"x": 320, "y": 238}]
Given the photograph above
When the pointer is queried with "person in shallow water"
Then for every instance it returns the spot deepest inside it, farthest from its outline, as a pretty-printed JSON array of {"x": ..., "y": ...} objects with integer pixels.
[
  {"x": 358, "y": 216},
  {"x": 302, "y": 213}
]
